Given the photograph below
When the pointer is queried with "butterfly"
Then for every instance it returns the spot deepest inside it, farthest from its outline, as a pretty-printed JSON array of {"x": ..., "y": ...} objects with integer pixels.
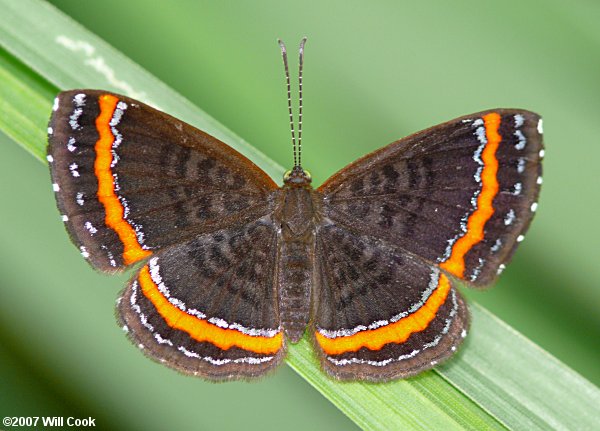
[{"x": 231, "y": 267}]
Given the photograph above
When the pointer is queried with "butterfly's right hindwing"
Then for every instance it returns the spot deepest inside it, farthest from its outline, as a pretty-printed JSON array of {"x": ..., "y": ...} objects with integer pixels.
[{"x": 380, "y": 313}]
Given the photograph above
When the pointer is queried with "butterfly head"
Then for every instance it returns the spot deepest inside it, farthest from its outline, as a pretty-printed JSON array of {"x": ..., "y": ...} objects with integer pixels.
[{"x": 297, "y": 177}]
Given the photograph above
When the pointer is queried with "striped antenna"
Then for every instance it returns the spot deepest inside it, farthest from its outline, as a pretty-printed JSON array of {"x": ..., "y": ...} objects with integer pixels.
[
  {"x": 300, "y": 63},
  {"x": 289, "y": 94}
]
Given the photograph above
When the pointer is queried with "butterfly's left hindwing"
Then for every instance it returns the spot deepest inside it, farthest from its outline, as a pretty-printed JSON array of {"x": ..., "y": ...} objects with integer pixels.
[
  {"x": 460, "y": 195},
  {"x": 209, "y": 307}
]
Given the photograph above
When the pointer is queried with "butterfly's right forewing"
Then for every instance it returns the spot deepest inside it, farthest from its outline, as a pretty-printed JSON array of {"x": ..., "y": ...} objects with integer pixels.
[{"x": 459, "y": 195}]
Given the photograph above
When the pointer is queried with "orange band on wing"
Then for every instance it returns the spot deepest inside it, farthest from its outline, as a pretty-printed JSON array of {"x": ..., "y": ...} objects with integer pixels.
[
  {"x": 132, "y": 250},
  {"x": 397, "y": 332},
  {"x": 489, "y": 189},
  {"x": 201, "y": 330}
]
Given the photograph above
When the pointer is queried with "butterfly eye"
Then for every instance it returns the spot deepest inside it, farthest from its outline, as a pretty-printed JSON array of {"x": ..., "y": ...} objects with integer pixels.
[{"x": 297, "y": 176}]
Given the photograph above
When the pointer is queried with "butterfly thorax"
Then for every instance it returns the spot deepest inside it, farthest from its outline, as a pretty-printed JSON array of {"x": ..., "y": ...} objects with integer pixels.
[{"x": 296, "y": 216}]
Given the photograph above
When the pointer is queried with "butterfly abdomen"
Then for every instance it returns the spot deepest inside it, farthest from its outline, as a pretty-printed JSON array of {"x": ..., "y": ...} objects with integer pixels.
[
  {"x": 295, "y": 269},
  {"x": 296, "y": 215}
]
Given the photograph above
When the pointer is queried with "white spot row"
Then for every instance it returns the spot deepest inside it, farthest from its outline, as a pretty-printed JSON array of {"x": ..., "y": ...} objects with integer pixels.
[
  {"x": 412, "y": 354},
  {"x": 433, "y": 283},
  {"x": 157, "y": 279},
  {"x": 79, "y": 100},
  {"x": 480, "y": 133},
  {"x": 189, "y": 353}
]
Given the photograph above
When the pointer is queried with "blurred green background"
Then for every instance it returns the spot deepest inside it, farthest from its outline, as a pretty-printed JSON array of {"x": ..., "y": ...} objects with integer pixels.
[{"x": 374, "y": 72}]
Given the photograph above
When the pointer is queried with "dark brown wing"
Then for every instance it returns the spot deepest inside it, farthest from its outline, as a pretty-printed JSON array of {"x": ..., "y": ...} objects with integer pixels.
[
  {"x": 459, "y": 195},
  {"x": 209, "y": 307},
  {"x": 130, "y": 179},
  {"x": 381, "y": 314}
]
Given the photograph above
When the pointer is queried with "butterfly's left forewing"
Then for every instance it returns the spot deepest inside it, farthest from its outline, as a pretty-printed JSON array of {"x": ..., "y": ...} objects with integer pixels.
[{"x": 130, "y": 179}]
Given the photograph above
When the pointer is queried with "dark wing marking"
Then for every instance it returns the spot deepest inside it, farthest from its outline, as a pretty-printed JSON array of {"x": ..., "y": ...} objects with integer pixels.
[
  {"x": 381, "y": 313},
  {"x": 209, "y": 307}
]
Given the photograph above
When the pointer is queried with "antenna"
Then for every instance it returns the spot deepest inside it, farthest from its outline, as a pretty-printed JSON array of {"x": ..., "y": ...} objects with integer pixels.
[
  {"x": 300, "y": 63},
  {"x": 289, "y": 94}
]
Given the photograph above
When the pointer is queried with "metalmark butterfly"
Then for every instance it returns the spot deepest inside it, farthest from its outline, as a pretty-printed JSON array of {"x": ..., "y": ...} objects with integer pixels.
[{"x": 232, "y": 266}]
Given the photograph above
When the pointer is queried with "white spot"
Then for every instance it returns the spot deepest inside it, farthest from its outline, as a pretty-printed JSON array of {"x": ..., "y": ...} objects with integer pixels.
[
  {"x": 55, "y": 104},
  {"x": 480, "y": 133},
  {"x": 125, "y": 328},
  {"x": 79, "y": 100},
  {"x": 116, "y": 118},
  {"x": 496, "y": 246},
  {"x": 73, "y": 119},
  {"x": 522, "y": 141},
  {"x": 50, "y": 130},
  {"x": 534, "y": 207},
  {"x": 540, "y": 127},
  {"x": 141, "y": 346},
  {"x": 84, "y": 252},
  {"x": 65, "y": 217},
  {"x": 478, "y": 122},
  {"x": 453, "y": 348},
  {"x": 477, "y": 270},
  {"x": 463, "y": 334},
  {"x": 501, "y": 268},
  {"x": 542, "y": 153},
  {"x": 71, "y": 144},
  {"x": 539, "y": 180},
  {"x": 517, "y": 190},
  {"x": 519, "y": 119},
  {"x": 433, "y": 363},
  {"x": 510, "y": 217},
  {"x": 79, "y": 198},
  {"x": 55, "y": 187},
  {"x": 521, "y": 165},
  {"x": 90, "y": 227},
  {"x": 73, "y": 168},
  {"x": 466, "y": 120},
  {"x": 49, "y": 158},
  {"x": 520, "y": 238},
  {"x": 162, "y": 340},
  {"x": 477, "y": 175}
]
